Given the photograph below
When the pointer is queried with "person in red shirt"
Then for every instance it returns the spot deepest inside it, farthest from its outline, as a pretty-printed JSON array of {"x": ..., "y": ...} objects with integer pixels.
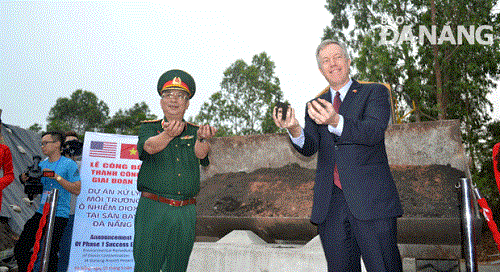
[{"x": 5, "y": 166}]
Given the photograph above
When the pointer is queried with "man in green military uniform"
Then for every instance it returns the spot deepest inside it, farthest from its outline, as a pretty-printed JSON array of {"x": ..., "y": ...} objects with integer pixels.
[{"x": 171, "y": 151}]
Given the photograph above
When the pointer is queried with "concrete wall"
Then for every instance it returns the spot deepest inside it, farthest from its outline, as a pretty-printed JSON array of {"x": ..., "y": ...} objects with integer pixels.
[
  {"x": 251, "y": 152},
  {"x": 424, "y": 143}
]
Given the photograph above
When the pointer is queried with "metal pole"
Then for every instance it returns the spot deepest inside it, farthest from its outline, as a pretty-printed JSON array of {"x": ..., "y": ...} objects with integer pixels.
[
  {"x": 50, "y": 229},
  {"x": 467, "y": 226}
]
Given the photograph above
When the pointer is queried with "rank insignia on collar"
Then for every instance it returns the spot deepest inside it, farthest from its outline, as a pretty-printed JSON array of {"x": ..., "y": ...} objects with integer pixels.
[{"x": 187, "y": 137}]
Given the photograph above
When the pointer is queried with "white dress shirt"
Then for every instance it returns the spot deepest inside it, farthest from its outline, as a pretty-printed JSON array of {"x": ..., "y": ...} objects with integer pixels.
[{"x": 299, "y": 141}]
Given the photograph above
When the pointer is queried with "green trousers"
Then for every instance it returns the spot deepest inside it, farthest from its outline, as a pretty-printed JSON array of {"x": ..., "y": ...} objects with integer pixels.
[{"x": 164, "y": 236}]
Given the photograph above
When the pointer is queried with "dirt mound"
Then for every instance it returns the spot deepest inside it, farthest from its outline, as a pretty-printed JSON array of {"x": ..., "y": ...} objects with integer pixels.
[
  {"x": 428, "y": 190},
  {"x": 266, "y": 192},
  {"x": 425, "y": 191}
]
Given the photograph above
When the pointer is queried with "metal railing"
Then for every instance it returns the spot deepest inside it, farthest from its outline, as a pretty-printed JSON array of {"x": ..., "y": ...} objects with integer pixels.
[
  {"x": 468, "y": 235},
  {"x": 52, "y": 199}
]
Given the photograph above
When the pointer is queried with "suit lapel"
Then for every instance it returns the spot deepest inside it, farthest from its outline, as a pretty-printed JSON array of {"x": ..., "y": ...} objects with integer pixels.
[
  {"x": 327, "y": 96},
  {"x": 351, "y": 93}
]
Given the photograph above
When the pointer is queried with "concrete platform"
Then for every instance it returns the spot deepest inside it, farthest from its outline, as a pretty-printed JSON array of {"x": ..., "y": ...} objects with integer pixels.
[{"x": 244, "y": 251}]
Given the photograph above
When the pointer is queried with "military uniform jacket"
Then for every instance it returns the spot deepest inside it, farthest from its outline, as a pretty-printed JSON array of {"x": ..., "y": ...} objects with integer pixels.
[{"x": 173, "y": 172}]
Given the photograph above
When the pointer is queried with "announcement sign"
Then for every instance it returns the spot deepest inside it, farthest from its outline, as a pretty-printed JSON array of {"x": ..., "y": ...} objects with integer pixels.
[{"x": 103, "y": 233}]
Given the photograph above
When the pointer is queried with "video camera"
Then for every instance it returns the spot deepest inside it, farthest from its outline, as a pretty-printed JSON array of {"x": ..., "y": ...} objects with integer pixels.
[
  {"x": 33, "y": 185},
  {"x": 72, "y": 148}
]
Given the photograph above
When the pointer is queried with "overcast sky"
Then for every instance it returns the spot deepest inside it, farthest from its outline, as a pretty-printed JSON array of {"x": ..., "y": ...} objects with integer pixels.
[{"x": 118, "y": 50}]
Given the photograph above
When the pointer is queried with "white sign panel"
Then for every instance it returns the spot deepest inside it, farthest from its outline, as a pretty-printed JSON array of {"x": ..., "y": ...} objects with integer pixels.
[{"x": 103, "y": 233}]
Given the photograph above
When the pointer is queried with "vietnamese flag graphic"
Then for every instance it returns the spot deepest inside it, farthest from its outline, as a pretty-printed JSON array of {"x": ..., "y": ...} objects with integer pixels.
[{"x": 129, "y": 151}]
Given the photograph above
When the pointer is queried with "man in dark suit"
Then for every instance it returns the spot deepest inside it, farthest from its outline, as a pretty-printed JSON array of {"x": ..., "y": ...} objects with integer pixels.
[{"x": 356, "y": 202}]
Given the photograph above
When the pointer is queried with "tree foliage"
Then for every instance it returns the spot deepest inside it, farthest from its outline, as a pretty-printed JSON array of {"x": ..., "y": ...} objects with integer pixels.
[
  {"x": 441, "y": 78},
  {"x": 446, "y": 80},
  {"x": 127, "y": 122},
  {"x": 244, "y": 103},
  {"x": 36, "y": 128},
  {"x": 81, "y": 112}
]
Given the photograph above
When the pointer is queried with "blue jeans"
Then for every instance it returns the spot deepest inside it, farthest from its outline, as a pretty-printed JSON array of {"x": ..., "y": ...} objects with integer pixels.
[{"x": 65, "y": 245}]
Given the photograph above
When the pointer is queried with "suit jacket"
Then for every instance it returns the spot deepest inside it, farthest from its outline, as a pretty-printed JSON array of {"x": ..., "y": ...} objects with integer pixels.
[{"x": 360, "y": 155}]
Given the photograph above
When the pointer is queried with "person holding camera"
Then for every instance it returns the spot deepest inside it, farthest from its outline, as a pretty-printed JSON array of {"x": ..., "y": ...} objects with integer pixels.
[
  {"x": 59, "y": 173},
  {"x": 356, "y": 202}
]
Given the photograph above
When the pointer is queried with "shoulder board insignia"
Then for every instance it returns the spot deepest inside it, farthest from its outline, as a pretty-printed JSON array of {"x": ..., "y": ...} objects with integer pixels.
[
  {"x": 387, "y": 85},
  {"x": 150, "y": 121}
]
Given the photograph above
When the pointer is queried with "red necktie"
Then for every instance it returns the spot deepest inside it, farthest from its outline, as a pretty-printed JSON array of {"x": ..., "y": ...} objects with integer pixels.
[
  {"x": 336, "y": 106},
  {"x": 337, "y": 102}
]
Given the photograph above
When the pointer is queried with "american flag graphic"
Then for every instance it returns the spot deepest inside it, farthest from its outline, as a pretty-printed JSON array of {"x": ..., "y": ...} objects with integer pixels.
[{"x": 102, "y": 149}]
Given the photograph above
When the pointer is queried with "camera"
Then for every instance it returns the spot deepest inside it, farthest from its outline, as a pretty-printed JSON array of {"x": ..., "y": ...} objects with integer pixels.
[
  {"x": 33, "y": 185},
  {"x": 72, "y": 148}
]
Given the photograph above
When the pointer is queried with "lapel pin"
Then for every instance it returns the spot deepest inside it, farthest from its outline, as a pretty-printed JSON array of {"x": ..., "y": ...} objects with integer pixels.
[{"x": 354, "y": 91}]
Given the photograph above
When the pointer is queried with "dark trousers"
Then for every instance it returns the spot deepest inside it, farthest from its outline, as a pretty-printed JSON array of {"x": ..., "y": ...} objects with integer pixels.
[
  {"x": 65, "y": 245},
  {"x": 22, "y": 249},
  {"x": 345, "y": 239}
]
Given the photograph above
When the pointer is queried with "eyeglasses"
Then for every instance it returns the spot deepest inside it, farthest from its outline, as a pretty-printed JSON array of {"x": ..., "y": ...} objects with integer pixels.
[
  {"x": 45, "y": 143},
  {"x": 172, "y": 95}
]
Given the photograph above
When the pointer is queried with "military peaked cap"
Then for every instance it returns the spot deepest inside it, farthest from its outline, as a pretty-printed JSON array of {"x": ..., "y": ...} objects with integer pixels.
[{"x": 176, "y": 80}]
